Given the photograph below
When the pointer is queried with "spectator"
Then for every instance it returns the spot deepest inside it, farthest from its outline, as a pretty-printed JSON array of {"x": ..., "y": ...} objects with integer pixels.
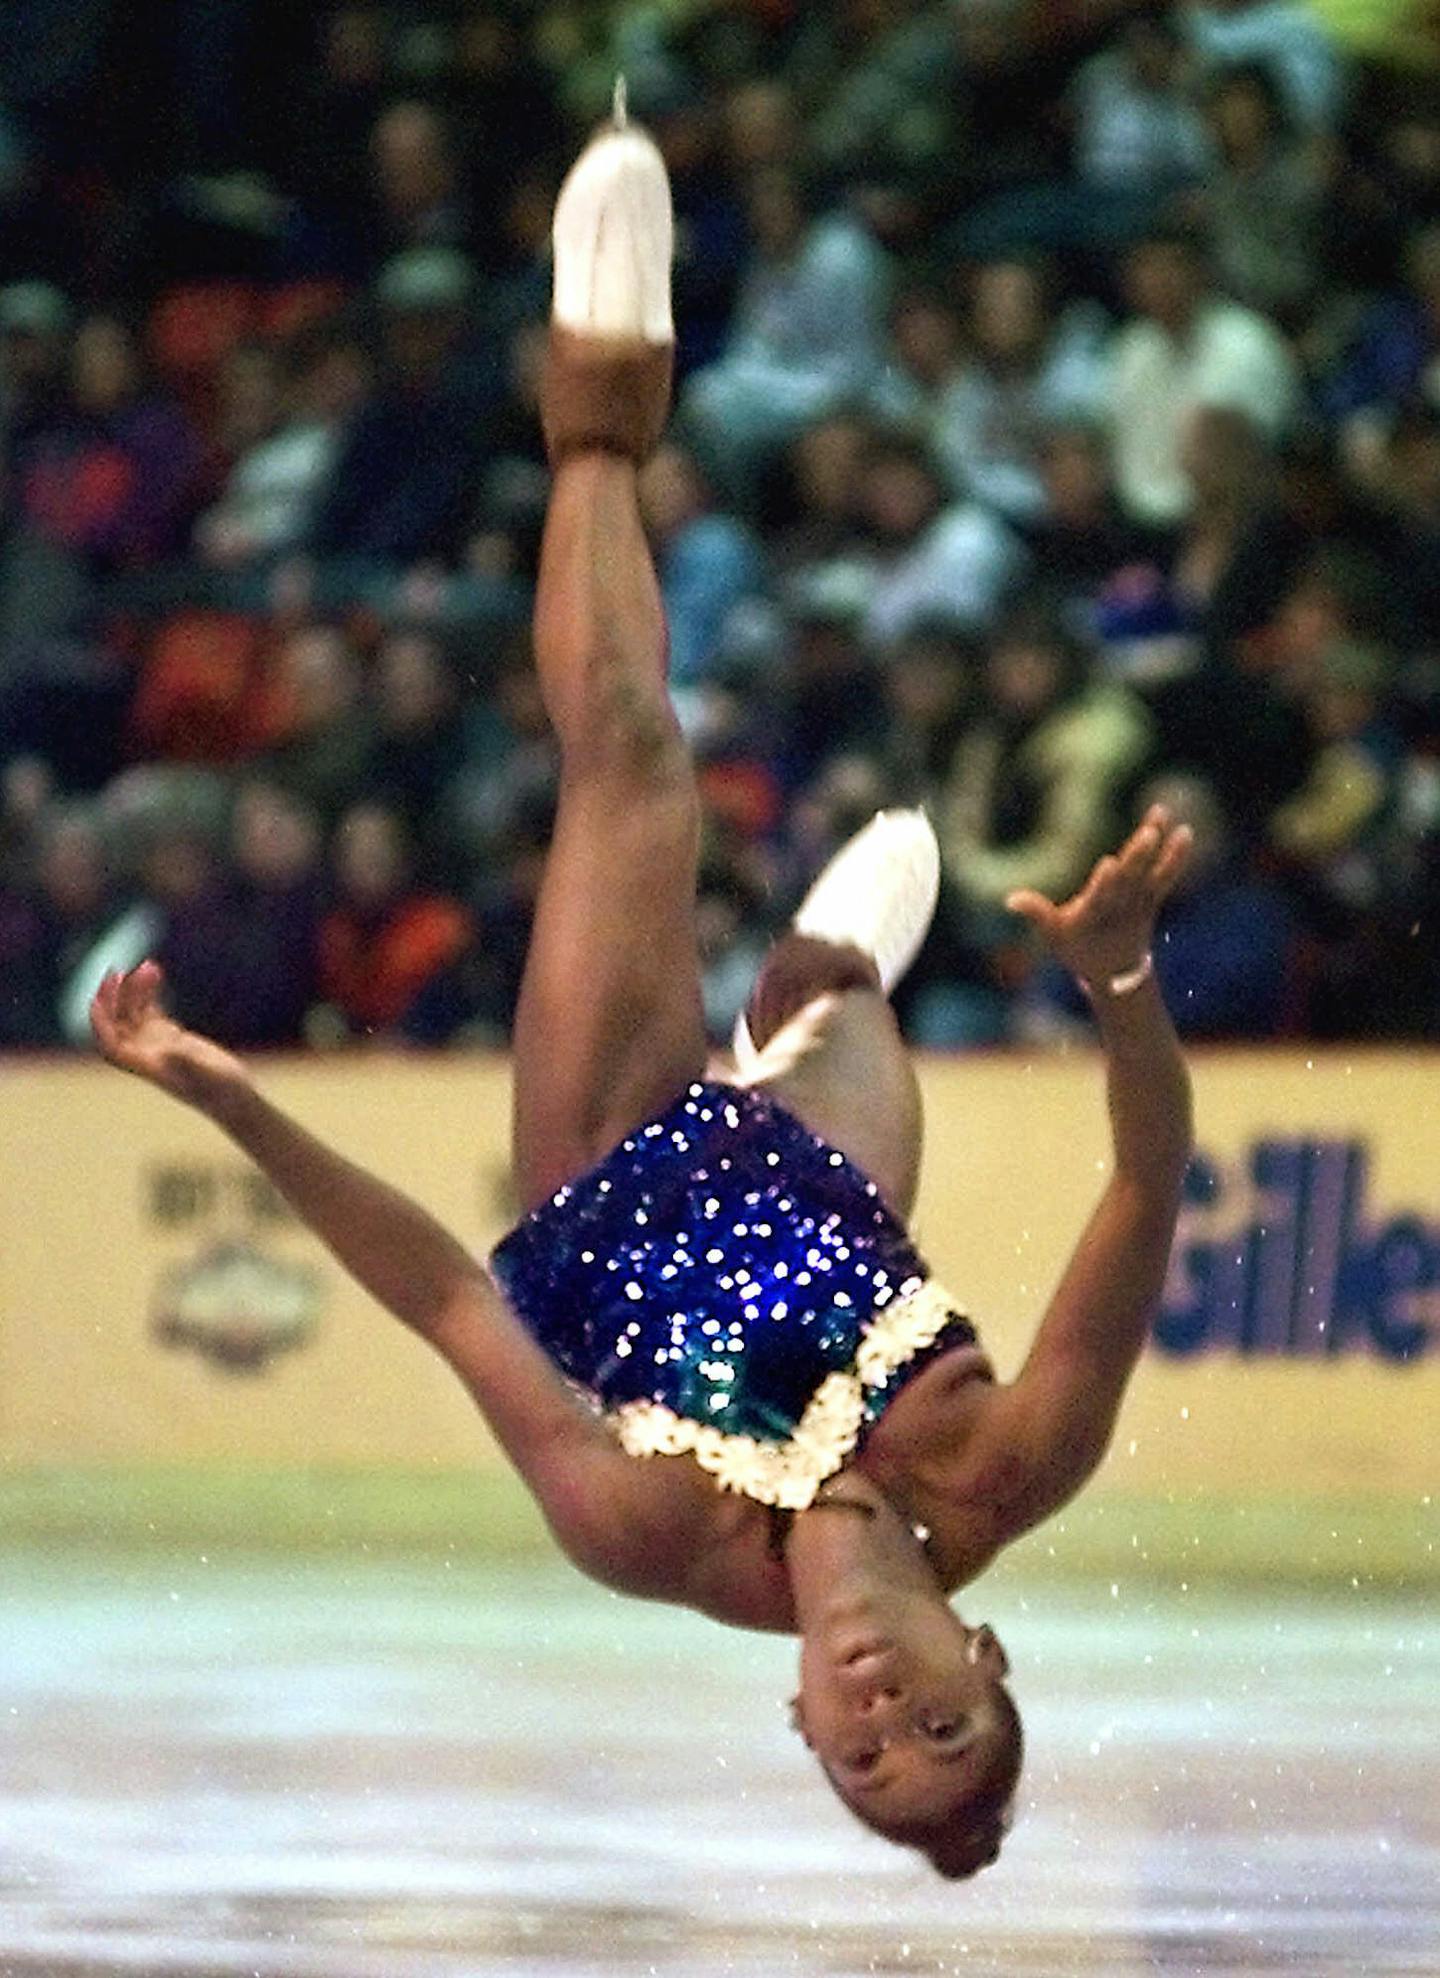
[
  {"x": 926, "y": 345},
  {"x": 930, "y": 684},
  {"x": 323, "y": 148},
  {"x": 1081, "y": 541},
  {"x": 34, "y": 350},
  {"x": 922, "y": 558},
  {"x": 386, "y": 938},
  {"x": 1345, "y": 800},
  {"x": 398, "y": 490},
  {"x": 1036, "y": 788},
  {"x": 828, "y": 688},
  {"x": 115, "y": 481},
  {"x": 419, "y": 745},
  {"x": 1027, "y": 368},
  {"x": 805, "y": 338},
  {"x": 1185, "y": 349},
  {"x": 762, "y": 126},
  {"x": 1138, "y": 137},
  {"x": 1285, "y": 38},
  {"x": 709, "y": 563},
  {"x": 1342, "y": 841},
  {"x": 1263, "y": 204},
  {"x": 247, "y": 395},
  {"x": 284, "y": 445},
  {"x": 1226, "y": 935},
  {"x": 327, "y": 733},
  {"x": 417, "y": 196},
  {"x": 1394, "y": 360},
  {"x": 50, "y": 923},
  {"x": 1340, "y": 594},
  {"x": 824, "y": 466},
  {"x": 1231, "y": 475},
  {"x": 240, "y": 954},
  {"x": 510, "y": 775}
]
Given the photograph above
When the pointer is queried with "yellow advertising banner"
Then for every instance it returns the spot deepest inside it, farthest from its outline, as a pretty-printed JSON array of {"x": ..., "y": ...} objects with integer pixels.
[{"x": 159, "y": 1306}]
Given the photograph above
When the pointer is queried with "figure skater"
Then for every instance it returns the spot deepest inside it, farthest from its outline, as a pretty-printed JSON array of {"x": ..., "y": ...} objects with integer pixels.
[{"x": 711, "y": 1348}]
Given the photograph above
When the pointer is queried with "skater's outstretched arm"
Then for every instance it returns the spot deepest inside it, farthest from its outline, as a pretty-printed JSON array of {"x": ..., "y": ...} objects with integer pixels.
[
  {"x": 1042, "y": 1436},
  {"x": 591, "y": 1493}
]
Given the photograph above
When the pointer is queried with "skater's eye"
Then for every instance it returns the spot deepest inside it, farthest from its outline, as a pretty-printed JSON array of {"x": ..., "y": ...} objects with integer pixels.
[
  {"x": 947, "y": 1728},
  {"x": 863, "y": 1762}
]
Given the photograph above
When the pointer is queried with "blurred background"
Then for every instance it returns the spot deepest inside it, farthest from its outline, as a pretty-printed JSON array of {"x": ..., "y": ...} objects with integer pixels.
[{"x": 1058, "y": 426}]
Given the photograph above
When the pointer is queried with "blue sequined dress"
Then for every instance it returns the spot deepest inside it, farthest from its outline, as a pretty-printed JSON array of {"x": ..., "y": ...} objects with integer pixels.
[{"x": 726, "y": 1284}]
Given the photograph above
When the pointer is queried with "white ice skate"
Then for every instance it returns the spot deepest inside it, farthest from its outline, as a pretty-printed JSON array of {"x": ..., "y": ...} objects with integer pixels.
[
  {"x": 614, "y": 237},
  {"x": 610, "y": 355},
  {"x": 877, "y": 894}
]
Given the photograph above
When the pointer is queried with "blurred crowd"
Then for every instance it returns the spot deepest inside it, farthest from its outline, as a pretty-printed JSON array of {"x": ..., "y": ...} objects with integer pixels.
[{"x": 1058, "y": 428}]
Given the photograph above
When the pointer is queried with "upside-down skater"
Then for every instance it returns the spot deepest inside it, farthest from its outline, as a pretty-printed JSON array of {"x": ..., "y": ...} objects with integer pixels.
[{"x": 710, "y": 1348}]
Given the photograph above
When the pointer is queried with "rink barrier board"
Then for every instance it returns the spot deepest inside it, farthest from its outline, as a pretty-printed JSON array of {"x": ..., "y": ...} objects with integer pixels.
[{"x": 160, "y": 1311}]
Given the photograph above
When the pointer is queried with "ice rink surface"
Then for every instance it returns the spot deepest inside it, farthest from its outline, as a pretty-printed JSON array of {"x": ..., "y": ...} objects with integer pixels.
[{"x": 382, "y": 1768}]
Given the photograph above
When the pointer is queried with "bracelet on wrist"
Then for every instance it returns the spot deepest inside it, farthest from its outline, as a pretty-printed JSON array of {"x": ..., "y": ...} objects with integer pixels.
[{"x": 1128, "y": 981}]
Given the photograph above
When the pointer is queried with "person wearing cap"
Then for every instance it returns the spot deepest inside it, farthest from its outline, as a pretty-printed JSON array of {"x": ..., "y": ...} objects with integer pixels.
[{"x": 399, "y": 490}]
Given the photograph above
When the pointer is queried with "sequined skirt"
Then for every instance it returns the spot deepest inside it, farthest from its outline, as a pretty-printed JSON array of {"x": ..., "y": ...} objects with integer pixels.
[{"x": 728, "y": 1285}]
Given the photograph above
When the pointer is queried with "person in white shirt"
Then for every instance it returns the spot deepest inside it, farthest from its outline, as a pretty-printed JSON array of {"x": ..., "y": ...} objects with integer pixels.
[
  {"x": 1137, "y": 127},
  {"x": 806, "y": 338},
  {"x": 1029, "y": 367},
  {"x": 1185, "y": 349},
  {"x": 924, "y": 559}
]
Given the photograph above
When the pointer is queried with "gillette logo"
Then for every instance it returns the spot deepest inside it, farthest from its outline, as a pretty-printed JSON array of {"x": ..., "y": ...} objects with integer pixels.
[{"x": 1279, "y": 1257}]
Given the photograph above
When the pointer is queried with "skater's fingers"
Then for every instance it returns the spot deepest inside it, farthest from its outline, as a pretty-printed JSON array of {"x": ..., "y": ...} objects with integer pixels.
[
  {"x": 1034, "y": 907},
  {"x": 1174, "y": 857},
  {"x": 136, "y": 993},
  {"x": 1103, "y": 879},
  {"x": 129, "y": 997},
  {"x": 102, "y": 1010},
  {"x": 1142, "y": 847}
]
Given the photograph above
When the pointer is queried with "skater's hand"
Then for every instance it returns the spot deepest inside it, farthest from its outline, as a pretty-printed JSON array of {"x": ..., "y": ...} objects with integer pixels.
[
  {"x": 134, "y": 1033},
  {"x": 1105, "y": 931}
]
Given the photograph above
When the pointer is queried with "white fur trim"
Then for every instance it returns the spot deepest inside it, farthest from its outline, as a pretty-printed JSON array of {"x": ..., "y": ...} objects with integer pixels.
[
  {"x": 793, "y": 1041},
  {"x": 789, "y": 1473}
]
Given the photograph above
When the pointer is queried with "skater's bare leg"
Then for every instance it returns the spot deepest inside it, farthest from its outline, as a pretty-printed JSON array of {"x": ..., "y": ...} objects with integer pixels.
[{"x": 609, "y": 1028}]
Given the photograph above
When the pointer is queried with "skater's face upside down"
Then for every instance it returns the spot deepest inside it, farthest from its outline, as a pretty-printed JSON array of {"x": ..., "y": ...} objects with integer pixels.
[
  {"x": 903, "y": 1704},
  {"x": 920, "y": 1741}
]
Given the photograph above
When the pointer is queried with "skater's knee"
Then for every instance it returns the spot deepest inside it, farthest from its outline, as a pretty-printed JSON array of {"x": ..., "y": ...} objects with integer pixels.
[{"x": 625, "y": 732}]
